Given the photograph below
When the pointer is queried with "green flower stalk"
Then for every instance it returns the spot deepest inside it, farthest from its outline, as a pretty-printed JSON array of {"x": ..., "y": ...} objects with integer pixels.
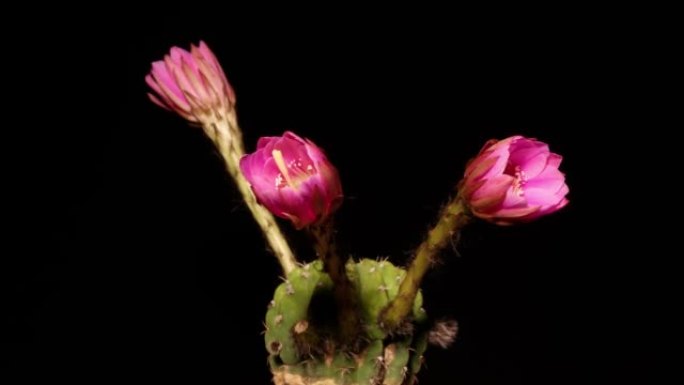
[{"x": 453, "y": 217}]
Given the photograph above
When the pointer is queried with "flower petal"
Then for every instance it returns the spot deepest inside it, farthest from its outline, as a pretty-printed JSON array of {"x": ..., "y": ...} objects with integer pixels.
[
  {"x": 530, "y": 155},
  {"x": 158, "y": 102},
  {"x": 288, "y": 182},
  {"x": 523, "y": 184},
  {"x": 191, "y": 83},
  {"x": 491, "y": 195}
]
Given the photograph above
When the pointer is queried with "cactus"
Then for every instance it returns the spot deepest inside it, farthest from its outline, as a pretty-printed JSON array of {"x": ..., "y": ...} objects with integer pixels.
[
  {"x": 301, "y": 332},
  {"x": 336, "y": 321}
]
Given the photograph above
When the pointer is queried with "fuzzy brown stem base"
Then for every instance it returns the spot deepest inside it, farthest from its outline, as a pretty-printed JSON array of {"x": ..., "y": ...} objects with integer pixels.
[{"x": 343, "y": 291}]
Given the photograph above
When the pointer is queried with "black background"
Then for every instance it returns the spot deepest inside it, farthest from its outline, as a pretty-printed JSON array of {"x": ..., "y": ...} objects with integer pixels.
[{"x": 132, "y": 257}]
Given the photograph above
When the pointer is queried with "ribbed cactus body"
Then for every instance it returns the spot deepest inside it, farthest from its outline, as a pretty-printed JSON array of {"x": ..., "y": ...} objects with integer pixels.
[{"x": 301, "y": 330}]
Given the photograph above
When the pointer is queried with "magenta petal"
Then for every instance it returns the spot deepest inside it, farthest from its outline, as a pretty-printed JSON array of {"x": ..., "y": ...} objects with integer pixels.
[
  {"x": 495, "y": 187},
  {"x": 176, "y": 55},
  {"x": 259, "y": 169},
  {"x": 562, "y": 191},
  {"x": 209, "y": 56},
  {"x": 160, "y": 98},
  {"x": 534, "y": 165},
  {"x": 513, "y": 199},
  {"x": 211, "y": 60},
  {"x": 299, "y": 205},
  {"x": 550, "y": 183},
  {"x": 210, "y": 78},
  {"x": 191, "y": 85},
  {"x": 153, "y": 84},
  {"x": 316, "y": 155},
  {"x": 265, "y": 140},
  {"x": 183, "y": 83},
  {"x": 541, "y": 197},
  {"x": 269, "y": 171},
  {"x": 268, "y": 198},
  {"x": 158, "y": 102},
  {"x": 530, "y": 155},
  {"x": 468, "y": 188},
  {"x": 522, "y": 185},
  {"x": 289, "y": 146},
  {"x": 203, "y": 48},
  {"x": 562, "y": 204},
  {"x": 552, "y": 209},
  {"x": 161, "y": 74},
  {"x": 293, "y": 136},
  {"x": 189, "y": 60},
  {"x": 247, "y": 166},
  {"x": 170, "y": 90},
  {"x": 293, "y": 151},
  {"x": 501, "y": 151},
  {"x": 488, "y": 144},
  {"x": 195, "y": 84},
  {"x": 304, "y": 187},
  {"x": 517, "y": 212},
  {"x": 491, "y": 200},
  {"x": 554, "y": 160},
  {"x": 480, "y": 167},
  {"x": 328, "y": 184},
  {"x": 550, "y": 172}
]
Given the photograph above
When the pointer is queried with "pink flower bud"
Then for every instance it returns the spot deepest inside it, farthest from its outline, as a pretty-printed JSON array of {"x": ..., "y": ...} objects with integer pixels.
[
  {"x": 293, "y": 179},
  {"x": 514, "y": 180},
  {"x": 192, "y": 84}
]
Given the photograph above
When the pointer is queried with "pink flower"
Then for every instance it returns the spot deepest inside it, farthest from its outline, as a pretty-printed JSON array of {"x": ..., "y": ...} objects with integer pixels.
[
  {"x": 293, "y": 178},
  {"x": 192, "y": 84},
  {"x": 514, "y": 180}
]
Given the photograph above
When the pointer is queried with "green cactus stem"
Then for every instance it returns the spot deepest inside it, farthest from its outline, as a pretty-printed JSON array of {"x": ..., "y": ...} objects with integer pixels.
[
  {"x": 302, "y": 338},
  {"x": 452, "y": 218}
]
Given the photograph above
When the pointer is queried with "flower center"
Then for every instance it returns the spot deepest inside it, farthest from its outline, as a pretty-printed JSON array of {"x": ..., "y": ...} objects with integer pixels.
[
  {"x": 292, "y": 174},
  {"x": 519, "y": 181}
]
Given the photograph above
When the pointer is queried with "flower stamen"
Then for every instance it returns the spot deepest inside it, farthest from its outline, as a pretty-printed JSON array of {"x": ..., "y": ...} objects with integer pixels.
[
  {"x": 519, "y": 182},
  {"x": 280, "y": 162}
]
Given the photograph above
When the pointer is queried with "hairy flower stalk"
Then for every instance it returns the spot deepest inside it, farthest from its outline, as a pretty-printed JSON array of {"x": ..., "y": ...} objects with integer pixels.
[
  {"x": 510, "y": 181},
  {"x": 275, "y": 238},
  {"x": 193, "y": 85},
  {"x": 452, "y": 218}
]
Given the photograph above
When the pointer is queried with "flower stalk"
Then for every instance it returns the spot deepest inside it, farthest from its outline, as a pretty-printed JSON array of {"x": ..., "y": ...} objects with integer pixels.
[
  {"x": 335, "y": 266},
  {"x": 452, "y": 218},
  {"x": 227, "y": 136}
]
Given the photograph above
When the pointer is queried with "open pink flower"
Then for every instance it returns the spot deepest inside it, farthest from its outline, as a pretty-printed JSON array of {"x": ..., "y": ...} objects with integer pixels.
[
  {"x": 514, "y": 180},
  {"x": 192, "y": 84},
  {"x": 293, "y": 179}
]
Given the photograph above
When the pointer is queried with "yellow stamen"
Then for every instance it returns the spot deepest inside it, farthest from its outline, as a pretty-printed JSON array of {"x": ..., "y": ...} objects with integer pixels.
[{"x": 280, "y": 162}]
